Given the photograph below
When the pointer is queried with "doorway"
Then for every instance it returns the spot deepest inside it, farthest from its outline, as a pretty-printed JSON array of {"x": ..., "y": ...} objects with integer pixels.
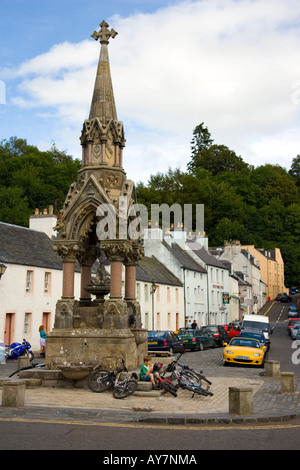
[{"x": 9, "y": 329}]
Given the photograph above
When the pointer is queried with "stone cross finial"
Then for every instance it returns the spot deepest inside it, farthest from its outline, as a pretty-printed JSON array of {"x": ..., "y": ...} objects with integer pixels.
[{"x": 104, "y": 34}]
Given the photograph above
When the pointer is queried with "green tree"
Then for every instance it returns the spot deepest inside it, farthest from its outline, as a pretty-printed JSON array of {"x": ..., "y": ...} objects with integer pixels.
[{"x": 41, "y": 178}]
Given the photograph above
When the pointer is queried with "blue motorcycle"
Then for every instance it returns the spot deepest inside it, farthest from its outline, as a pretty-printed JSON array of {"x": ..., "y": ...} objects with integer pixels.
[{"x": 16, "y": 350}]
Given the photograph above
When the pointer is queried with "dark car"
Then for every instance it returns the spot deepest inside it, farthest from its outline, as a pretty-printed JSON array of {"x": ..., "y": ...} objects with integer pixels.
[
  {"x": 195, "y": 339},
  {"x": 218, "y": 333},
  {"x": 293, "y": 310},
  {"x": 160, "y": 340},
  {"x": 256, "y": 334},
  {"x": 286, "y": 298}
]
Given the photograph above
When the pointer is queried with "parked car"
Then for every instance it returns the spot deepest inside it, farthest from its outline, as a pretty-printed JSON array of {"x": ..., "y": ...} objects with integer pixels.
[
  {"x": 292, "y": 322},
  {"x": 292, "y": 291},
  {"x": 279, "y": 296},
  {"x": 286, "y": 298},
  {"x": 231, "y": 330},
  {"x": 295, "y": 331},
  {"x": 256, "y": 334},
  {"x": 293, "y": 310},
  {"x": 218, "y": 333},
  {"x": 195, "y": 339},
  {"x": 245, "y": 351},
  {"x": 159, "y": 340}
]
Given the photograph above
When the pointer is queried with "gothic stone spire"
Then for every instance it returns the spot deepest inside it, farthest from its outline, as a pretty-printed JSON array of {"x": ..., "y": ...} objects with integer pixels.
[{"x": 102, "y": 136}]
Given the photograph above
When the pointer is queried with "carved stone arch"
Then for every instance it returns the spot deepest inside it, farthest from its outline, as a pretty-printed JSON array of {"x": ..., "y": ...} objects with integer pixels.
[{"x": 83, "y": 217}]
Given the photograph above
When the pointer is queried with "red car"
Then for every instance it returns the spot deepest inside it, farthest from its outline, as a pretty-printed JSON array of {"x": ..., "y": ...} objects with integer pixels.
[
  {"x": 292, "y": 322},
  {"x": 231, "y": 330}
]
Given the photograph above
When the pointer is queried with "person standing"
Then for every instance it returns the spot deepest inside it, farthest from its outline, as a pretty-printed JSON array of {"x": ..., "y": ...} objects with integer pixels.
[
  {"x": 43, "y": 337},
  {"x": 194, "y": 325}
]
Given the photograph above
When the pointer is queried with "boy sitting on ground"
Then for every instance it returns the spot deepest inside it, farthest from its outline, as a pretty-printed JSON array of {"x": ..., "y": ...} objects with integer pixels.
[{"x": 147, "y": 374}]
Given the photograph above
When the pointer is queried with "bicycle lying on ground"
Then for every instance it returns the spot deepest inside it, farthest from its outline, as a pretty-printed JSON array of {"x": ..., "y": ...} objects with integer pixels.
[
  {"x": 164, "y": 382},
  {"x": 189, "y": 379},
  {"x": 33, "y": 365},
  {"x": 101, "y": 380}
]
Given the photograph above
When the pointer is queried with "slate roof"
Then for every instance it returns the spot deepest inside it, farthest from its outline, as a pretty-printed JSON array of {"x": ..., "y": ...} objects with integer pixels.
[
  {"x": 21, "y": 245},
  {"x": 150, "y": 268},
  {"x": 185, "y": 260},
  {"x": 205, "y": 256}
]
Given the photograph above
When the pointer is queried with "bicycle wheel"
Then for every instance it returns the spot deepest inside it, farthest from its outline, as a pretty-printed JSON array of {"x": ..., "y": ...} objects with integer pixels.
[
  {"x": 100, "y": 380},
  {"x": 202, "y": 391},
  {"x": 169, "y": 388},
  {"x": 125, "y": 390}
]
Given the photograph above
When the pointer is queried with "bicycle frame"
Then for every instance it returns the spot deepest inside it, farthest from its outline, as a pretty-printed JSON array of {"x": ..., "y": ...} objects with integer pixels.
[{"x": 186, "y": 383}]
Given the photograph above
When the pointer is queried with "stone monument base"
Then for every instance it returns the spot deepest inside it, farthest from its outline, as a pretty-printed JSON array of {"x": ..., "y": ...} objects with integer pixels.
[{"x": 91, "y": 345}]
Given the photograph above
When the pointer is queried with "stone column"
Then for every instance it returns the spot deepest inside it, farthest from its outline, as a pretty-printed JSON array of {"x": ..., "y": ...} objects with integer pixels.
[
  {"x": 130, "y": 282},
  {"x": 115, "y": 279},
  {"x": 116, "y": 252},
  {"x": 136, "y": 253},
  {"x": 85, "y": 280},
  {"x": 86, "y": 256},
  {"x": 68, "y": 280}
]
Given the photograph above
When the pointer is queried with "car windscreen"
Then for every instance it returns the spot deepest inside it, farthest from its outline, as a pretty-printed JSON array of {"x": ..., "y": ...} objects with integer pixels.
[
  {"x": 187, "y": 333},
  {"x": 156, "y": 334},
  {"x": 245, "y": 342},
  {"x": 256, "y": 325}
]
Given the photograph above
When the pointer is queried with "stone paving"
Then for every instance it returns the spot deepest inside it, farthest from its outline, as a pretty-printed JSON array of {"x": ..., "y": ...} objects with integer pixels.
[{"x": 84, "y": 405}]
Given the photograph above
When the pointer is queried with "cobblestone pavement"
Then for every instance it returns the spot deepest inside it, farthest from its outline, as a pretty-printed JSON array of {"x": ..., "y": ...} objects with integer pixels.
[{"x": 84, "y": 405}]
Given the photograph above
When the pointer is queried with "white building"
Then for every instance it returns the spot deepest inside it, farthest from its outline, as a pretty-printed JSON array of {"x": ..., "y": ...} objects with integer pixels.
[
  {"x": 31, "y": 285},
  {"x": 217, "y": 284},
  {"x": 160, "y": 294},
  {"x": 192, "y": 275}
]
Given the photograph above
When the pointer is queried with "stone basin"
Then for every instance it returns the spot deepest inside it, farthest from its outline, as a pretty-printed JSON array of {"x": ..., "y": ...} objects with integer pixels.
[{"x": 78, "y": 370}]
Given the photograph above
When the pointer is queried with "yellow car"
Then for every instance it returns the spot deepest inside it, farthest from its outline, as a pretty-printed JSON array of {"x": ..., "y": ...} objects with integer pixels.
[{"x": 245, "y": 351}]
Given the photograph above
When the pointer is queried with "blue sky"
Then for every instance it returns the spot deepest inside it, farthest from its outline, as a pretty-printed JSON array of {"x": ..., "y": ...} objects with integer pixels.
[{"x": 232, "y": 64}]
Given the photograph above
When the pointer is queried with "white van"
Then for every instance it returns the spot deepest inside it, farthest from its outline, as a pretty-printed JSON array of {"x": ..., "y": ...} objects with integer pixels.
[{"x": 257, "y": 322}]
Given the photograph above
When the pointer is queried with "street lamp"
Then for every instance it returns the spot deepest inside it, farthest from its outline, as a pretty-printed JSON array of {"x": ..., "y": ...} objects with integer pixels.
[
  {"x": 2, "y": 269},
  {"x": 152, "y": 292}
]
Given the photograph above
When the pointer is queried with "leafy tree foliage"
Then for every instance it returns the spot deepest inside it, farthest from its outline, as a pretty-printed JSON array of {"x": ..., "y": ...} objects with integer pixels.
[
  {"x": 30, "y": 178},
  {"x": 259, "y": 206}
]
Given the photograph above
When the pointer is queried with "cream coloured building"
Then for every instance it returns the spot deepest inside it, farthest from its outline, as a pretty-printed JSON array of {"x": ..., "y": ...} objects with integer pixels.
[{"x": 271, "y": 269}]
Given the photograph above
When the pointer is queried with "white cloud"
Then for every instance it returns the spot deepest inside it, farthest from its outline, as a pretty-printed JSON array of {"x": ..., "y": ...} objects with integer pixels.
[{"x": 231, "y": 64}]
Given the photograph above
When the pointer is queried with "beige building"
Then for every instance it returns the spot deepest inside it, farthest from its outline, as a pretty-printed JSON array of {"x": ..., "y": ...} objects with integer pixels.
[{"x": 271, "y": 269}]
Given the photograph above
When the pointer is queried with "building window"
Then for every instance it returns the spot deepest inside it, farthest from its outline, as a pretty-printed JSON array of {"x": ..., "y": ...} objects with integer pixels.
[
  {"x": 158, "y": 321},
  {"x": 168, "y": 294},
  {"x": 47, "y": 283},
  {"x": 177, "y": 296},
  {"x": 27, "y": 323},
  {"x": 29, "y": 280},
  {"x": 146, "y": 292},
  {"x": 138, "y": 291}
]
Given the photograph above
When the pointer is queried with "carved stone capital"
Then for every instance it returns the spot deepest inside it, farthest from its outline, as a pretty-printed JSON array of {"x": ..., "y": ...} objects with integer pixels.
[
  {"x": 136, "y": 253},
  {"x": 116, "y": 250},
  {"x": 67, "y": 250}
]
